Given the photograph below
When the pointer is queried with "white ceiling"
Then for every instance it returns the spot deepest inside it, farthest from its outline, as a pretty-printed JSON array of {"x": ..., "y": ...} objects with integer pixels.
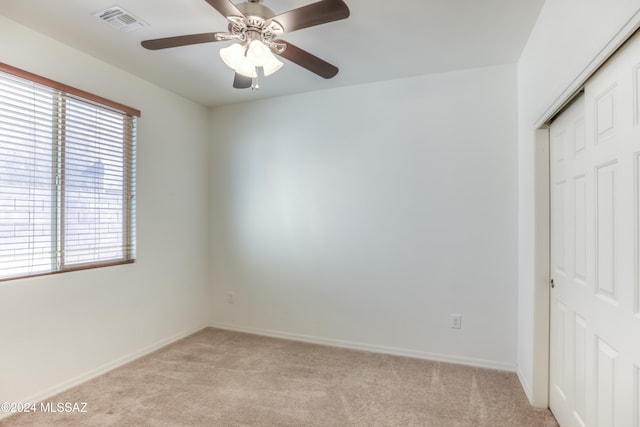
[{"x": 381, "y": 40}]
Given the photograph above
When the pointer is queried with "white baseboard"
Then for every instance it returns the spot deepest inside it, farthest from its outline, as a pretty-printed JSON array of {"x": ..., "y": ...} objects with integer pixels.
[
  {"x": 525, "y": 385},
  {"x": 103, "y": 369},
  {"x": 395, "y": 351}
]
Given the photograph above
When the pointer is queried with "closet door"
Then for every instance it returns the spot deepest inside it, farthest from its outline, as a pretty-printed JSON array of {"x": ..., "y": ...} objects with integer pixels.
[{"x": 595, "y": 234}]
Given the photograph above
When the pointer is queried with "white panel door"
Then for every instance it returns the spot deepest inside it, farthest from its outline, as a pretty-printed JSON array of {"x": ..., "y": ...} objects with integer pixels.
[{"x": 595, "y": 237}]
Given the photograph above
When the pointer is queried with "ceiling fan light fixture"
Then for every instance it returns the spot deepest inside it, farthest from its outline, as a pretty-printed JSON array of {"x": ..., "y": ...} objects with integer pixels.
[{"x": 244, "y": 59}]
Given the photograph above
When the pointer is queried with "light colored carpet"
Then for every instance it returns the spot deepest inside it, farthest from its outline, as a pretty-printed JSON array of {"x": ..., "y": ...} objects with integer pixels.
[{"x": 223, "y": 378}]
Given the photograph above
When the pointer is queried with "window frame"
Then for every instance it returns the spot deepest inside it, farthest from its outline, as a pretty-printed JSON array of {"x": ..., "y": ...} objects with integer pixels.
[{"x": 129, "y": 168}]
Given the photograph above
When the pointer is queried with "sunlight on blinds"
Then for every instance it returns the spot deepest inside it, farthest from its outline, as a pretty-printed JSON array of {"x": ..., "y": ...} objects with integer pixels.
[
  {"x": 94, "y": 184},
  {"x": 26, "y": 171}
]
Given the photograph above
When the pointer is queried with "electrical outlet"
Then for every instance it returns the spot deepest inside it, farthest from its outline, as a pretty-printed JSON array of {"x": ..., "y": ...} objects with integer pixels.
[
  {"x": 456, "y": 321},
  {"x": 230, "y": 297}
]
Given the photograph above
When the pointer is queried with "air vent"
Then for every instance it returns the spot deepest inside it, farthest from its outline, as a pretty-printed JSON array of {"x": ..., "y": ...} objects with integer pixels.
[{"x": 120, "y": 19}]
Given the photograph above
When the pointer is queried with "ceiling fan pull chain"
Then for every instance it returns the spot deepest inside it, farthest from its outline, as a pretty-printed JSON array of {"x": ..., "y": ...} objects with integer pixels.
[
  {"x": 255, "y": 84},
  {"x": 259, "y": 74}
]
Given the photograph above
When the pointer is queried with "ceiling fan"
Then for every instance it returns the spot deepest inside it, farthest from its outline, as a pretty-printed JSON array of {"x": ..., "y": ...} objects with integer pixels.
[{"x": 256, "y": 29}]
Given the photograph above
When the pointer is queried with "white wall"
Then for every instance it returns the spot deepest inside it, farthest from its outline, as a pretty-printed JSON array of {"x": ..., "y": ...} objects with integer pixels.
[
  {"x": 364, "y": 216},
  {"x": 57, "y": 329},
  {"x": 568, "y": 36}
]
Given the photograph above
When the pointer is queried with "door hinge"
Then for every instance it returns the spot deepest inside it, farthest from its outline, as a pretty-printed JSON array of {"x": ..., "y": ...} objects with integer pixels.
[{"x": 553, "y": 285}]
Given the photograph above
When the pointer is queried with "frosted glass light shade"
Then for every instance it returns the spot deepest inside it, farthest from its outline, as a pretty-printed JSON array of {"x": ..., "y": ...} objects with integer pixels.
[
  {"x": 232, "y": 55},
  {"x": 271, "y": 66},
  {"x": 246, "y": 68},
  {"x": 261, "y": 56},
  {"x": 258, "y": 53}
]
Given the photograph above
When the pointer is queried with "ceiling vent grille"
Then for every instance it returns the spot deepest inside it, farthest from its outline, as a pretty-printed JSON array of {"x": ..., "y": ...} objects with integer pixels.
[{"x": 120, "y": 19}]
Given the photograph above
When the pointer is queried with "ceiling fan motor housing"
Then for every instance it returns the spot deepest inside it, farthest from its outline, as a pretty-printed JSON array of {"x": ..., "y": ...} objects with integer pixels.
[
  {"x": 256, "y": 9},
  {"x": 256, "y": 24}
]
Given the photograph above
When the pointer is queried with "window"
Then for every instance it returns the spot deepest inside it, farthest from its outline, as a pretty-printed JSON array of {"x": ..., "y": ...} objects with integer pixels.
[{"x": 67, "y": 177}]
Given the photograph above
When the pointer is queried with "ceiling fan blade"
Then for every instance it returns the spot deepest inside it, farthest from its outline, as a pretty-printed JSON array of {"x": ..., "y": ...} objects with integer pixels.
[
  {"x": 225, "y": 7},
  {"x": 242, "y": 82},
  {"x": 313, "y": 14},
  {"x": 176, "y": 41},
  {"x": 307, "y": 60}
]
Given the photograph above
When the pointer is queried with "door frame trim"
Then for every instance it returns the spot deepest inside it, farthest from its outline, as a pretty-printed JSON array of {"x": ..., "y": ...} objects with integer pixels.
[
  {"x": 541, "y": 270},
  {"x": 542, "y": 232}
]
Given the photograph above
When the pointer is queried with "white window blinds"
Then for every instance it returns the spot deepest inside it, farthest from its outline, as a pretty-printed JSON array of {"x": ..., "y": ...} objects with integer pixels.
[{"x": 67, "y": 178}]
